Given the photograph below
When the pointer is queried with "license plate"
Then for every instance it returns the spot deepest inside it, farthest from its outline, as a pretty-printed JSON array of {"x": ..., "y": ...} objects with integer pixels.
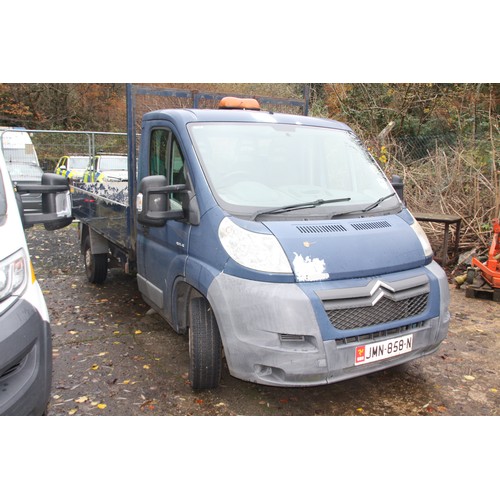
[{"x": 382, "y": 350}]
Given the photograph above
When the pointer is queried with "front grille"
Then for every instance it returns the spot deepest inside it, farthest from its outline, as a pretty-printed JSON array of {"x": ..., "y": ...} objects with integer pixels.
[
  {"x": 378, "y": 336},
  {"x": 384, "y": 311},
  {"x": 323, "y": 228},
  {"x": 363, "y": 226}
]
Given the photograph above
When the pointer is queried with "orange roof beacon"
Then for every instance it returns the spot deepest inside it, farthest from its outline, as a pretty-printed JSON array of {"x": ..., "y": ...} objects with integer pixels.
[{"x": 239, "y": 103}]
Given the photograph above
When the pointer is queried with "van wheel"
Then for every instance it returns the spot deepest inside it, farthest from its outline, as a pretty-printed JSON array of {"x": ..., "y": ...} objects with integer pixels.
[
  {"x": 205, "y": 346},
  {"x": 96, "y": 264}
]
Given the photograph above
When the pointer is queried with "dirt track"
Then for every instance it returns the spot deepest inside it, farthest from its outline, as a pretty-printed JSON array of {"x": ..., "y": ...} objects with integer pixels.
[{"x": 112, "y": 357}]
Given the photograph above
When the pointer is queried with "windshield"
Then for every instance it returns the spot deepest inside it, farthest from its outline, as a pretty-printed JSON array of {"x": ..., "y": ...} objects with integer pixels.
[
  {"x": 17, "y": 147},
  {"x": 79, "y": 162},
  {"x": 24, "y": 172},
  {"x": 251, "y": 166},
  {"x": 113, "y": 163}
]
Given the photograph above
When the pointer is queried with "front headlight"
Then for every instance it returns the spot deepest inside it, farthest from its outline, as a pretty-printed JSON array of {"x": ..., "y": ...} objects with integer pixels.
[
  {"x": 426, "y": 246},
  {"x": 261, "y": 252},
  {"x": 13, "y": 274}
]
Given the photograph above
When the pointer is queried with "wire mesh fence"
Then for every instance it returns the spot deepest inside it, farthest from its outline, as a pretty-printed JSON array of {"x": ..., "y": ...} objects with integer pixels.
[
  {"x": 413, "y": 148},
  {"x": 53, "y": 144}
]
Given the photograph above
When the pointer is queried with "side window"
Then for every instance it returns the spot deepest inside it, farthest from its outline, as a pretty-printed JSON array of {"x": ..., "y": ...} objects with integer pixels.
[
  {"x": 177, "y": 173},
  {"x": 165, "y": 158},
  {"x": 158, "y": 153}
]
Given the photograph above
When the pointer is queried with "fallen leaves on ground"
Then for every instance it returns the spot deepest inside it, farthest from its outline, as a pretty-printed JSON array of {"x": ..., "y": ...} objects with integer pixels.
[{"x": 149, "y": 404}]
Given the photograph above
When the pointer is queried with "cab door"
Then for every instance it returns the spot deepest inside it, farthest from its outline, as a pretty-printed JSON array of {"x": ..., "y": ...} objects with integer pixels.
[{"x": 163, "y": 250}]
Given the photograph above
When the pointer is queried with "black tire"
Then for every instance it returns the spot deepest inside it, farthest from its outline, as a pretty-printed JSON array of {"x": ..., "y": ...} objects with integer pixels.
[
  {"x": 471, "y": 274},
  {"x": 96, "y": 264},
  {"x": 205, "y": 346}
]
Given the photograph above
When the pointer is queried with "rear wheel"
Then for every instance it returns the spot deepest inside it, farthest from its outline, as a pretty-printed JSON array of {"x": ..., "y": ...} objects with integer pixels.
[
  {"x": 205, "y": 346},
  {"x": 96, "y": 264}
]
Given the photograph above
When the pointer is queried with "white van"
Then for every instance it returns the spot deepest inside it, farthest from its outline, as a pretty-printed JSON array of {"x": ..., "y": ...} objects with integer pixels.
[
  {"x": 22, "y": 163},
  {"x": 25, "y": 336}
]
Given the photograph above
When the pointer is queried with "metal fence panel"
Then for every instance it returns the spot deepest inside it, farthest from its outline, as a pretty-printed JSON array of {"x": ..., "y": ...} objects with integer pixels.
[{"x": 50, "y": 145}]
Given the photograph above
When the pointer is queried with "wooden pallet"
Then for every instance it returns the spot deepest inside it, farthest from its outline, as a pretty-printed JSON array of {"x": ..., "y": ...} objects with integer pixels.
[{"x": 483, "y": 293}]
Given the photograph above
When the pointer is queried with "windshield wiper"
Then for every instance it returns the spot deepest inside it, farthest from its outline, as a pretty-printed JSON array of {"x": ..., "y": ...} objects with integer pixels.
[
  {"x": 297, "y": 206},
  {"x": 368, "y": 208}
]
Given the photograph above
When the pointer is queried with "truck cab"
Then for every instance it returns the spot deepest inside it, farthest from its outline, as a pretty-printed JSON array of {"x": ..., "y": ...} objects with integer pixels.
[{"x": 277, "y": 240}]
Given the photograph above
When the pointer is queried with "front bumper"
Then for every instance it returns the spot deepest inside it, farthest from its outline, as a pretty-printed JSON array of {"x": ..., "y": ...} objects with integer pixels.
[
  {"x": 274, "y": 334},
  {"x": 25, "y": 361}
]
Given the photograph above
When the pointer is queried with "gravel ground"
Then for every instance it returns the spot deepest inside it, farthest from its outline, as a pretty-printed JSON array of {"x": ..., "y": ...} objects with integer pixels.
[{"x": 112, "y": 356}]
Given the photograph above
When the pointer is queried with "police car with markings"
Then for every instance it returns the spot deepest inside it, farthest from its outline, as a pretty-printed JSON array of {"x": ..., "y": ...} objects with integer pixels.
[{"x": 73, "y": 167}]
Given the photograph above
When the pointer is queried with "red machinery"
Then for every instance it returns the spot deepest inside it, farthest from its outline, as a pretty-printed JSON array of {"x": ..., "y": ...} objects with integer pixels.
[{"x": 490, "y": 270}]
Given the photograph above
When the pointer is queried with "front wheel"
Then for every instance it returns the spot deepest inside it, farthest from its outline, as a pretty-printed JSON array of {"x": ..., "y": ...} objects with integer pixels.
[
  {"x": 96, "y": 264},
  {"x": 205, "y": 346}
]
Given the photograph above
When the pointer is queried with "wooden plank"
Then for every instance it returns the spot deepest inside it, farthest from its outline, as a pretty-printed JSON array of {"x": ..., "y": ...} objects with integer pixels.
[
  {"x": 483, "y": 293},
  {"x": 443, "y": 218}
]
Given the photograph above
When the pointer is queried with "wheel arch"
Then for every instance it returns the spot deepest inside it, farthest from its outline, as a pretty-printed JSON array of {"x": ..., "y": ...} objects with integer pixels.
[
  {"x": 195, "y": 282},
  {"x": 184, "y": 292},
  {"x": 98, "y": 243}
]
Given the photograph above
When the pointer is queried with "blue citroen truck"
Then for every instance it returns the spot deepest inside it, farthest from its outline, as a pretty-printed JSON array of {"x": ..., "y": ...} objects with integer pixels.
[{"x": 274, "y": 241}]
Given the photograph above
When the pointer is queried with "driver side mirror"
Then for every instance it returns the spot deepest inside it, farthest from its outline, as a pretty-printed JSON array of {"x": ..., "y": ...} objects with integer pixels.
[
  {"x": 398, "y": 185},
  {"x": 153, "y": 201},
  {"x": 56, "y": 203}
]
